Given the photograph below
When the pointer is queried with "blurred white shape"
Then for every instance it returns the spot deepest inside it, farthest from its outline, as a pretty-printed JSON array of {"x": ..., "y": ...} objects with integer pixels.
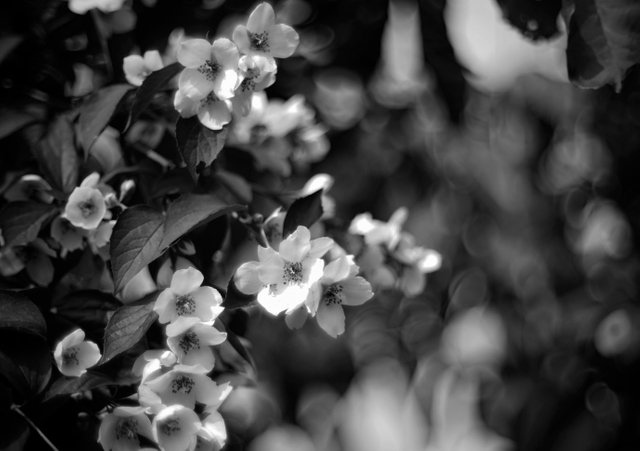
[
  {"x": 494, "y": 51},
  {"x": 614, "y": 334},
  {"x": 605, "y": 231},
  {"x": 282, "y": 438},
  {"x": 475, "y": 337},
  {"x": 339, "y": 96}
]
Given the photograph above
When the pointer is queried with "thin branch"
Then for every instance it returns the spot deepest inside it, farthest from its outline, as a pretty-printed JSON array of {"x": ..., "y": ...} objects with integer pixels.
[{"x": 16, "y": 409}]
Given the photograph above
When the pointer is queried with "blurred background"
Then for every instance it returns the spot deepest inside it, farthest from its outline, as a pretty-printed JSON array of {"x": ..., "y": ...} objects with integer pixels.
[{"x": 527, "y": 338}]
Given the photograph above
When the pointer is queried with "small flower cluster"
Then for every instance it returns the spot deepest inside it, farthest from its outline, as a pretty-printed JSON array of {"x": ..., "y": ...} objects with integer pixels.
[
  {"x": 294, "y": 279},
  {"x": 390, "y": 257},
  {"x": 220, "y": 77},
  {"x": 178, "y": 401},
  {"x": 280, "y": 134}
]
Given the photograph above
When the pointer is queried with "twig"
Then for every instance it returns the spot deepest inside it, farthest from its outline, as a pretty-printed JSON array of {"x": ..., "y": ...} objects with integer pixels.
[{"x": 16, "y": 409}]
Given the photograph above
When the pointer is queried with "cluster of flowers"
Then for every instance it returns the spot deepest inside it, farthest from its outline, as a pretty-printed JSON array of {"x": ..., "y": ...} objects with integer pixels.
[
  {"x": 389, "y": 257},
  {"x": 295, "y": 279},
  {"x": 84, "y": 220},
  {"x": 175, "y": 388}
]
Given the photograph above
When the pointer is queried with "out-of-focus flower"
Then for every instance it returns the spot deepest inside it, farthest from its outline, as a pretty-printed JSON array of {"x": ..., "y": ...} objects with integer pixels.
[
  {"x": 212, "y": 434},
  {"x": 67, "y": 235},
  {"x": 73, "y": 355},
  {"x": 86, "y": 206},
  {"x": 262, "y": 36},
  {"x": 186, "y": 297},
  {"x": 35, "y": 257},
  {"x": 106, "y": 6},
  {"x": 615, "y": 334},
  {"x": 191, "y": 341},
  {"x": 159, "y": 358},
  {"x": 136, "y": 68},
  {"x": 273, "y": 227},
  {"x": 209, "y": 68},
  {"x": 339, "y": 286},
  {"x": 184, "y": 385},
  {"x": 379, "y": 232},
  {"x": 323, "y": 182},
  {"x": 282, "y": 279},
  {"x": 418, "y": 261},
  {"x": 258, "y": 73},
  {"x": 372, "y": 264},
  {"x": 213, "y": 112},
  {"x": 175, "y": 427},
  {"x": 120, "y": 430},
  {"x": 30, "y": 187}
]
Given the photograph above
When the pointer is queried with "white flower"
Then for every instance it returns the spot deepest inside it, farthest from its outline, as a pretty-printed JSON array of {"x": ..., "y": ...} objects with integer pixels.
[
  {"x": 99, "y": 237},
  {"x": 151, "y": 361},
  {"x": 323, "y": 182},
  {"x": 136, "y": 68},
  {"x": 339, "y": 286},
  {"x": 282, "y": 279},
  {"x": 185, "y": 297},
  {"x": 73, "y": 355},
  {"x": 418, "y": 261},
  {"x": 184, "y": 385},
  {"x": 30, "y": 187},
  {"x": 262, "y": 36},
  {"x": 191, "y": 341},
  {"x": 106, "y": 6},
  {"x": 379, "y": 232},
  {"x": 258, "y": 73},
  {"x": 209, "y": 68},
  {"x": 213, "y": 112},
  {"x": 175, "y": 428},
  {"x": 120, "y": 430},
  {"x": 212, "y": 434},
  {"x": 67, "y": 235},
  {"x": 85, "y": 208}
]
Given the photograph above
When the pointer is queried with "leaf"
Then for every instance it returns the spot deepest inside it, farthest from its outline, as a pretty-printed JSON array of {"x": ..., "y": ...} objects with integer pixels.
[
  {"x": 20, "y": 222},
  {"x": 604, "y": 42},
  {"x": 304, "y": 211},
  {"x": 197, "y": 144},
  {"x": 57, "y": 156},
  {"x": 25, "y": 360},
  {"x": 189, "y": 211},
  {"x": 236, "y": 185},
  {"x": 155, "y": 82},
  {"x": 13, "y": 119},
  {"x": 96, "y": 113},
  {"x": 536, "y": 19},
  {"x": 135, "y": 242},
  {"x": 68, "y": 385},
  {"x": 234, "y": 298},
  {"x": 127, "y": 326},
  {"x": 87, "y": 308},
  {"x": 19, "y": 314},
  {"x": 142, "y": 234}
]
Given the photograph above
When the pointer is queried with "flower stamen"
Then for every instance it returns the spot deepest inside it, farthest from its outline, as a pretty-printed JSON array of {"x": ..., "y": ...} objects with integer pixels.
[
  {"x": 182, "y": 384},
  {"x": 189, "y": 342},
  {"x": 259, "y": 41},
  {"x": 333, "y": 295},
  {"x": 127, "y": 428},
  {"x": 185, "y": 305},
  {"x": 292, "y": 273}
]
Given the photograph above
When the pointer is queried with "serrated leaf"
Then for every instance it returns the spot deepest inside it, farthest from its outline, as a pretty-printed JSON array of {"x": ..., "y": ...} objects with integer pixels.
[
  {"x": 190, "y": 211},
  {"x": 304, "y": 211},
  {"x": 68, "y": 385},
  {"x": 96, "y": 112},
  {"x": 155, "y": 82},
  {"x": 19, "y": 314},
  {"x": 604, "y": 41},
  {"x": 135, "y": 242},
  {"x": 127, "y": 326},
  {"x": 197, "y": 144},
  {"x": 20, "y": 222},
  {"x": 57, "y": 155}
]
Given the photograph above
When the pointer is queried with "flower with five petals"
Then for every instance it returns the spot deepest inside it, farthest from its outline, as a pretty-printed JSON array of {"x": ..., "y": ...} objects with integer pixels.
[
  {"x": 73, "y": 355},
  {"x": 136, "y": 68},
  {"x": 191, "y": 340},
  {"x": 120, "y": 430}
]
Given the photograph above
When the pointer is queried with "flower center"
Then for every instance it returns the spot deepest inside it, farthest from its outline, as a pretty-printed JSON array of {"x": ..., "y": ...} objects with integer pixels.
[
  {"x": 182, "y": 384},
  {"x": 70, "y": 356},
  {"x": 210, "y": 70},
  {"x": 210, "y": 98},
  {"x": 259, "y": 41},
  {"x": 127, "y": 428},
  {"x": 292, "y": 273},
  {"x": 86, "y": 208},
  {"x": 333, "y": 295},
  {"x": 170, "y": 427},
  {"x": 247, "y": 85},
  {"x": 185, "y": 305},
  {"x": 189, "y": 342}
]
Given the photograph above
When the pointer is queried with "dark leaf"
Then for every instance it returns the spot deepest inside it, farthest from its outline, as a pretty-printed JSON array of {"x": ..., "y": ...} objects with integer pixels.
[
  {"x": 303, "y": 212},
  {"x": 135, "y": 242},
  {"x": 87, "y": 307},
  {"x": 8, "y": 43},
  {"x": 197, "y": 144},
  {"x": 57, "y": 156},
  {"x": 127, "y": 326},
  {"x": 604, "y": 41},
  {"x": 155, "y": 82},
  {"x": 190, "y": 211},
  {"x": 68, "y": 385},
  {"x": 25, "y": 360},
  {"x": 236, "y": 185},
  {"x": 21, "y": 221},
  {"x": 235, "y": 298},
  {"x": 12, "y": 120},
  {"x": 96, "y": 113},
  {"x": 19, "y": 314},
  {"x": 536, "y": 19},
  {"x": 40, "y": 269}
]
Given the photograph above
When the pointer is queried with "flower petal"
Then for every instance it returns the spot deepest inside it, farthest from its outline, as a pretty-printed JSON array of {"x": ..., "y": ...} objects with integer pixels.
[
  {"x": 88, "y": 354},
  {"x": 338, "y": 269},
  {"x": 429, "y": 261},
  {"x": 271, "y": 266},
  {"x": 194, "y": 52},
  {"x": 152, "y": 60},
  {"x": 241, "y": 38},
  {"x": 225, "y": 53},
  {"x": 175, "y": 427},
  {"x": 296, "y": 246},
  {"x": 331, "y": 318},
  {"x": 209, "y": 335},
  {"x": 356, "y": 291},
  {"x": 194, "y": 84},
  {"x": 412, "y": 281},
  {"x": 181, "y": 325},
  {"x": 208, "y": 303},
  {"x": 283, "y": 40},
  {"x": 214, "y": 115},
  {"x": 185, "y": 281},
  {"x": 261, "y": 18},
  {"x": 212, "y": 394},
  {"x": 320, "y": 246},
  {"x": 133, "y": 67},
  {"x": 247, "y": 278},
  {"x": 184, "y": 105},
  {"x": 165, "y": 306},
  {"x": 225, "y": 84}
]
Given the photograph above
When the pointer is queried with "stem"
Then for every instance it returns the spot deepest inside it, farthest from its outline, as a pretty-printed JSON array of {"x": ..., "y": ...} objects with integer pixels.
[
  {"x": 16, "y": 409},
  {"x": 104, "y": 46}
]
